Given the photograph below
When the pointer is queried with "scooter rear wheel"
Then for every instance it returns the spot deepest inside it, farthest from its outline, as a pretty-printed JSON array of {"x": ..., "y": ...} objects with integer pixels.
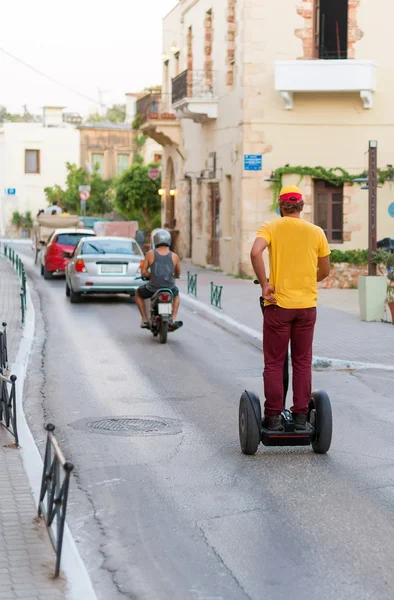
[{"x": 163, "y": 332}]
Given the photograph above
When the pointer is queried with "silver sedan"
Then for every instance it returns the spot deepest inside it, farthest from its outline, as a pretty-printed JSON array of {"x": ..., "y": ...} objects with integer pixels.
[{"x": 104, "y": 265}]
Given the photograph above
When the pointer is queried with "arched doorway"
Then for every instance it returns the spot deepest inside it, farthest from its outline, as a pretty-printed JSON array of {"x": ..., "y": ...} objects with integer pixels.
[{"x": 170, "y": 198}]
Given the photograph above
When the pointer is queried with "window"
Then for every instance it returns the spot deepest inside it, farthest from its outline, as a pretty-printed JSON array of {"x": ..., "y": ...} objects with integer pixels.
[
  {"x": 71, "y": 239},
  {"x": 123, "y": 163},
  {"x": 32, "y": 161},
  {"x": 228, "y": 207},
  {"x": 98, "y": 163},
  {"x": 157, "y": 158},
  {"x": 176, "y": 56},
  {"x": 329, "y": 210},
  {"x": 130, "y": 248},
  {"x": 331, "y": 29}
]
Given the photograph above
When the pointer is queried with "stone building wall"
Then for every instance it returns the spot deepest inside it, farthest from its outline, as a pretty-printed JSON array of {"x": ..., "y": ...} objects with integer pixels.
[{"x": 306, "y": 33}]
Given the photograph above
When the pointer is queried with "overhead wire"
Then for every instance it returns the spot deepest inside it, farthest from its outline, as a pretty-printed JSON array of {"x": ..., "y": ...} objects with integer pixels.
[{"x": 50, "y": 78}]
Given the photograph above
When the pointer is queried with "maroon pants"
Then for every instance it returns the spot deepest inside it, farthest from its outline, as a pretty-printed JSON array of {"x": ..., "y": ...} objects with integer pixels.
[{"x": 281, "y": 326}]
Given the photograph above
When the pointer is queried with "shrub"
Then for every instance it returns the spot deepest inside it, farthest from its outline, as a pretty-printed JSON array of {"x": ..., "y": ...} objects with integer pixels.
[{"x": 353, "y": 257}]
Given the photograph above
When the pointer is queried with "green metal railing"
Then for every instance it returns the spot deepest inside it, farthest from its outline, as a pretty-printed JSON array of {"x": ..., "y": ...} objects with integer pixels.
[
  {"x": 216, "y": 295},
  {"x": 192, "y": 283},
  {"x": 19, "y": 267}
]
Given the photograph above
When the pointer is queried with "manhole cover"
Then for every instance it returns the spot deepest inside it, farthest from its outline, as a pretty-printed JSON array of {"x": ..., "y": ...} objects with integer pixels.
[
  {"x": 143, "y": 425},
  {"x": 137, "y": 426}
]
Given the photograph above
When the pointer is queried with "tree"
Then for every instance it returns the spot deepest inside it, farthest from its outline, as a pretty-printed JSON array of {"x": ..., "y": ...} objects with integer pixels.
[
  {"x": 101, "y": 194},
  {"x": 6, "y": 116},
  {"x": 95, "y": 118},
  {"x": 138, "y": 196},
  {"x": 115, "y": 114},
  {"x": 21, "y": 221}
]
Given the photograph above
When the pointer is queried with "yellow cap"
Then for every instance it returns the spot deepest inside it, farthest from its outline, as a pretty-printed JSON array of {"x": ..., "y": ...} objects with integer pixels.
[{"x": 290, "y": 191}]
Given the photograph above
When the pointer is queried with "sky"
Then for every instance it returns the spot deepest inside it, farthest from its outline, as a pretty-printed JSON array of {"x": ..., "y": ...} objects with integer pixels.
[{"x": 115, "y": 49}]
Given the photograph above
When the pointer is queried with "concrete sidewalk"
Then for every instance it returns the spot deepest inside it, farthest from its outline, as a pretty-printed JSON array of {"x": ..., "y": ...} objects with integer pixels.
[
  {"x": 339, "y": 335},
  {"x": 27, "y": 559}
]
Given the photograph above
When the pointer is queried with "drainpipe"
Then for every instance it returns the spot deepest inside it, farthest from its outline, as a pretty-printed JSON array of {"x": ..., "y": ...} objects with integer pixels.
[{"x": 189, "y": 179}]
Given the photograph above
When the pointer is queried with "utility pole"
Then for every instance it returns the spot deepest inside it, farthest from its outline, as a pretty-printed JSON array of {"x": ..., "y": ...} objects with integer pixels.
[
  {"x": 372, "y": 201},
  {"x": 102, "y": 105}
]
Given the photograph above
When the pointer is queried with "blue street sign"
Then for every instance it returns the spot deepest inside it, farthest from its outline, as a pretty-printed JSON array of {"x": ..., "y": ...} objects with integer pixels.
[
  {"x": 11, "y": 191},
  {"x": 391, "y": 210},
  {"x": 253, "y": 162}
]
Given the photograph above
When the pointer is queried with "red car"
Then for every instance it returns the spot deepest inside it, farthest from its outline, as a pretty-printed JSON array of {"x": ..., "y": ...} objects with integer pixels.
[{"x": 53, "y": 261}]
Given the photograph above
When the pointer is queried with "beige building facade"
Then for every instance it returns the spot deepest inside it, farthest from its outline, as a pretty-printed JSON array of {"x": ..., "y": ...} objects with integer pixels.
[{"x": 258, "y": 93}]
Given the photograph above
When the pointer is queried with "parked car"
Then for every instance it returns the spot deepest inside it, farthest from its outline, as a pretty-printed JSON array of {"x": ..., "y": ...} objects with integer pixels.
[
  {"x": 61, "y": 241},
  {"x": 105, "y": 265}
]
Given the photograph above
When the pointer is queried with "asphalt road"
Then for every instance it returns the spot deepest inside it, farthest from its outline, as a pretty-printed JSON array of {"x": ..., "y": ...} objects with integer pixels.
[{"x": 184, "y": 515}]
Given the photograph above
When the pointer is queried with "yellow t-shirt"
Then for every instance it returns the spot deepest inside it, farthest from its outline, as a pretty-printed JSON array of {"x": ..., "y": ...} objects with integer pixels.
[{"x": 294, "y": 246}]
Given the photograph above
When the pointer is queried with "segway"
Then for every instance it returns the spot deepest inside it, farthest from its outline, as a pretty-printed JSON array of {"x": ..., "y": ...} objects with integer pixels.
[{"x": 319, "y": 421}]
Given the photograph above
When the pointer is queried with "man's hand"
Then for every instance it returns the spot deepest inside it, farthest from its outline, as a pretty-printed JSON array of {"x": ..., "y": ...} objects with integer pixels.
[{"x": 267, "y": 293}]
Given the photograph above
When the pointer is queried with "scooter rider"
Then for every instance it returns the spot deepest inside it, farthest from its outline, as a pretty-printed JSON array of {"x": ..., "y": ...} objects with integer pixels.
[
  {"x": 299, "y": 258},
  {"x": 161, "y": 267}
]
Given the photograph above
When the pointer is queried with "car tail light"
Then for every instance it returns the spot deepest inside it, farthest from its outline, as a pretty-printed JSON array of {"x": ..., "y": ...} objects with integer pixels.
[
  {"x": 80, "y": 266},
  {"x": 164, "y": 297}
]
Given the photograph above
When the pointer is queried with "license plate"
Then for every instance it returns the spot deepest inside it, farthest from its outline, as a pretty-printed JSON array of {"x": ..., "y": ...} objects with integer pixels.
[
  {"x": 112, "y": 269},
  {"x": 165, "y": 309}
]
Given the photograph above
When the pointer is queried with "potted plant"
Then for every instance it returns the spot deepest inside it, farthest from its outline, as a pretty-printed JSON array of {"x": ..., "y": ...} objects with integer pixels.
[
  {"x": 390, "y": 300},
  {"x": 384, "y": 259}
]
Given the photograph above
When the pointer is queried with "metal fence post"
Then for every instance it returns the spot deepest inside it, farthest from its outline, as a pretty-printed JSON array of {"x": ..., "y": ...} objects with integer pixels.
[
  {"x": 192, "y": 283},
  {"x": 55, "y": 490},
  {"x": 216, "y": 295}
]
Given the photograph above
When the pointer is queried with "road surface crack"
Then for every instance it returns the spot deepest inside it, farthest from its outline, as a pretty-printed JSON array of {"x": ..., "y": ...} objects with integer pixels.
[
  {"x": 220, "y": 559},
  {"x": 104, "y": 566}
]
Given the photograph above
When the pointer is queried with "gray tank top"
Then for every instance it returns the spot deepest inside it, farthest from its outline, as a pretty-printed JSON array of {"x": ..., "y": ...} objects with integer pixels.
[{"x": 161, "y": 272}]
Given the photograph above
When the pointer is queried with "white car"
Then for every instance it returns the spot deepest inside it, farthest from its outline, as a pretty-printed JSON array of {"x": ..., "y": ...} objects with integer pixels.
[{"x": 104, "y": 265}]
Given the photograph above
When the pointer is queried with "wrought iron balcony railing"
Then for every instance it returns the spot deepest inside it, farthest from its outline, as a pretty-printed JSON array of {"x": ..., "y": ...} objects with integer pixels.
[{"x": 193, "y": 84}]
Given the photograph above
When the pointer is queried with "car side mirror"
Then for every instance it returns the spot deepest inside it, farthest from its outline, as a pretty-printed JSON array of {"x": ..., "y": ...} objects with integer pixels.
[
  {"x": 67, "y": 254},
  {"x": 42, "y": 244}
]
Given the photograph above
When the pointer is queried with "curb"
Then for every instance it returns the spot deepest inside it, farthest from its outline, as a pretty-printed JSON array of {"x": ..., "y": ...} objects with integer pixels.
[
  {"x": 78, "y": 583},
  {"x": 254, "y": 337}
]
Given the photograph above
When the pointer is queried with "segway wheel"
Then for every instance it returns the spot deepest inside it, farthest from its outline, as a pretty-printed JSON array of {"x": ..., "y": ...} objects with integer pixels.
[
  {"x": 249, "y": 423},
  {"x": 320, "y": 417}
]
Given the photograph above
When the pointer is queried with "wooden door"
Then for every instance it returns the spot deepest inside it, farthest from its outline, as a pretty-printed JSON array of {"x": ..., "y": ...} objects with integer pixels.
[{"x": 215, "y": 224}]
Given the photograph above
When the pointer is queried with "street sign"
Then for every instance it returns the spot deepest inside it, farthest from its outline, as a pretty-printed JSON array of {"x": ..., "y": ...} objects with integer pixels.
[
  {"x": 11, "y": 191},
  {"x": 84, "y": 196},
  {"x": 84, "y": 188},
  {"x": 253, "y": 162},
  {"x": 154, "y": 173}
]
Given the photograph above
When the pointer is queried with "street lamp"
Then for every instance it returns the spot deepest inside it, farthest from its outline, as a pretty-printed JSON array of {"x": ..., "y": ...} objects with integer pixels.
[
  {"x": 161, "y": 192},
  {"x": 272, "y": 178}
]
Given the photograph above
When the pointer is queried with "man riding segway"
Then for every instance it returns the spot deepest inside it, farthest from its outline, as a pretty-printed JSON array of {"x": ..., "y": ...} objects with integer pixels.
[{"x": 299, "y": 258}]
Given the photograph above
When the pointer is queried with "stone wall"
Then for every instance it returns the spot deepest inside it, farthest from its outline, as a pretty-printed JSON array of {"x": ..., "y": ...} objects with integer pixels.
[
  {"x": 343, "y": 275},
  {"x": 306, "y": 33}
]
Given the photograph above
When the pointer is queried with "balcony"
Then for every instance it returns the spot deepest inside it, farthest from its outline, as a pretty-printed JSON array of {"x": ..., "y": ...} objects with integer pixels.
[
  {"x": 293, "y": 76},
  {"x": 194, "y": 96},
  {"x": 158, "y": 119}
]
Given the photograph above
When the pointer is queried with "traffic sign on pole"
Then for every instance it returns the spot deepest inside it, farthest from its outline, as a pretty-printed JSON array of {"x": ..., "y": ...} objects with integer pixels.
[
  {"x": 154, "y": 173},
  {"x": 84, "y": 196},
  {"x": 84, "y": 188}
]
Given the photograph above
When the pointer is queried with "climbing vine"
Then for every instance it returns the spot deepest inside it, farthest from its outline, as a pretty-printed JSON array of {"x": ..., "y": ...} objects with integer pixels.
[{"x": 336, "y": 177}]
